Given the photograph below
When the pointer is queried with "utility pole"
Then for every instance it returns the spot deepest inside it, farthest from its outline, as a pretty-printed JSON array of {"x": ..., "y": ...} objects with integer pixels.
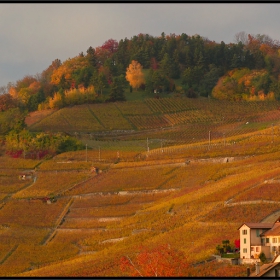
[
  {"x": 147, "y": 144},
  {"x": 209, "y": 142}
]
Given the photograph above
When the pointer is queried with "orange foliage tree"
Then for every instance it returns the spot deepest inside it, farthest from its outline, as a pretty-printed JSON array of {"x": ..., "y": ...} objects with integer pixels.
[
  {"x": 161, "y": 261},
  {"x": 67, "y": 70},
  {"x": 134, "y": 74}
]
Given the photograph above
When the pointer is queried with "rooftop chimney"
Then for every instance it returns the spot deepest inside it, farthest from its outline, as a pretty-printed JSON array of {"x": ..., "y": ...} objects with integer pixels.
[
  {"x": 248, "y": 271},
  {"x": 257, "y": 268}
]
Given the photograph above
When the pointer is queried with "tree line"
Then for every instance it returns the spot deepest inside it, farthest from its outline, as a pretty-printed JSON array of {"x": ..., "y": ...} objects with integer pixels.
[{"x": 198, "y": 62}]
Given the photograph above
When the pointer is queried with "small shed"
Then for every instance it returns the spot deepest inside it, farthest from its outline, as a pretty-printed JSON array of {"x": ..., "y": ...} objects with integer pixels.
[{"x": 25, "y": 176}]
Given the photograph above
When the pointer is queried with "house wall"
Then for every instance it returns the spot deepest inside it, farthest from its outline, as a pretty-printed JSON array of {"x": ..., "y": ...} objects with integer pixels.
[
  {"x": 266, "y": 251},
  {"x": 255, "y": 236},
  {"x": 274, "y": 245},
  {"x": 245, "y": 241},
  {"x": 253, "y": 241},
  {"x": 255, "y": 251}
]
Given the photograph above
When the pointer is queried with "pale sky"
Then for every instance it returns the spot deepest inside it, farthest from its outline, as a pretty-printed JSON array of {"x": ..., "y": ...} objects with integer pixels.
[{"x": 33, "y": 35}]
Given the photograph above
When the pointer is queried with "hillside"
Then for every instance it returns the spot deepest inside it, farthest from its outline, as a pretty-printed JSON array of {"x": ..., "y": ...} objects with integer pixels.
[
  {"x": 150, "y": 176},
  {"x": 168, "y": 121},
  {"x": 150, "y": 142}
]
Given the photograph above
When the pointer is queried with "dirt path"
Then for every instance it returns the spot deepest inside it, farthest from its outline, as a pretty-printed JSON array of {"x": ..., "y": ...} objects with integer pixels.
[
  {"x": 79, "y": 196},
  {"x": 58, "y": 222},
  {"x": 250, "y": 202}
]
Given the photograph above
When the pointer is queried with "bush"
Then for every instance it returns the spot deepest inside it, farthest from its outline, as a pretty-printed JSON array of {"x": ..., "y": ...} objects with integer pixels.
[{"x": 262, "y": 257}]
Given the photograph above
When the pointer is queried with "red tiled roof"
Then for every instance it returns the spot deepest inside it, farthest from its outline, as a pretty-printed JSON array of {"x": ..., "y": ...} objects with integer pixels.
[
  {"x": 258, "y": 225},
  {"x": 264, "y": 269},
  {"x": 273, "y": 231}
]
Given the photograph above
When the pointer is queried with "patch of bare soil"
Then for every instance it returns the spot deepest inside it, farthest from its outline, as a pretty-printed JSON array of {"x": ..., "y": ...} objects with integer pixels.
[{"x": 37, "y": 116}]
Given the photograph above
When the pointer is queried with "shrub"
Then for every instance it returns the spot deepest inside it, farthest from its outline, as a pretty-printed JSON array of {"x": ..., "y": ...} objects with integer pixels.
[{"x": 262, "y": 257}]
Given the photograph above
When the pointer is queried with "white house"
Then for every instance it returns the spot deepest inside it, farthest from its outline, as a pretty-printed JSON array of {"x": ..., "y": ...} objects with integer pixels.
[{"x": 259, "y": 237}]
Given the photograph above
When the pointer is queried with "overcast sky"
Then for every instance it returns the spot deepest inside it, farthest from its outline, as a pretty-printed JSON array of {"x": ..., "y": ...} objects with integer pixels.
[{"x": 33, "y": 35}]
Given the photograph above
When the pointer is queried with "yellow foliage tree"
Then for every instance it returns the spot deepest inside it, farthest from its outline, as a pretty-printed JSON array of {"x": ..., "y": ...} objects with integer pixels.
[
  {"x": 134, "y": 74},
  {"x": 24, "y": 95},
  {"x": 56, "y": 101},
  {"x": 13, "y": 92}
]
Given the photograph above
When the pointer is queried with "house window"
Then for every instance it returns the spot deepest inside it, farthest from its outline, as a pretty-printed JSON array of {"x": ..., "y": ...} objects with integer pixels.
[
  {"x": 258, "y": 233},
  {"x": 257, "y": 249},
  {"x": 274, "y": 240},
  {"x": 244, "y": 231},
  {"x": 244, "y": 240},
  {"x": 252, "y": 249},
  {"x": 267, "y": 240},
  {"x": 244, "y": 250}
]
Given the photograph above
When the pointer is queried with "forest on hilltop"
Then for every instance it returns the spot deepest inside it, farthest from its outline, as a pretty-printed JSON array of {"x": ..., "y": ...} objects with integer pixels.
[{"x": 247, "y": 69}]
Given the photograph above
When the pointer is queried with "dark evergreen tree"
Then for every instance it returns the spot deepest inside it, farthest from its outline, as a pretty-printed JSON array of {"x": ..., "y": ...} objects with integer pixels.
[
  {"x": 117, "y": 89},
  {"x": 91, "y": 56}
]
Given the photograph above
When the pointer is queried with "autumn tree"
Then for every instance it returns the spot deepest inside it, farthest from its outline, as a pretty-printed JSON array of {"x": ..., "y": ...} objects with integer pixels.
[
  {"x": 6, "y": 102},
  {"x": 134, "y": 74},
  {"x": 161, "y": 261},
  {"x": 241, "y": 37},
  {"x": 56, "y": 101},
  {"x": 111, "y": 45},
  {"x": 237, "y": 243},
  {"x": 69, "y": 71}
]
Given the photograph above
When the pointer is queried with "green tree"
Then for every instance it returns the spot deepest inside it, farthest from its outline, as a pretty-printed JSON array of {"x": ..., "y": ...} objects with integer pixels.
[
  {"x": 99, "y": 81},
  {"x": 63, "y": 84},
  {"x": 149, "y": 81},
  {"x": 83, "y": 75},
  {"x": 209, "y": 80},
  {"x": 91, "y": 56},
  {"x": 12, "y": 119},
  {"x": 262, "y": 257},
  {"x": 160, "y": 82},
  {"x": 116, "y": 89}
]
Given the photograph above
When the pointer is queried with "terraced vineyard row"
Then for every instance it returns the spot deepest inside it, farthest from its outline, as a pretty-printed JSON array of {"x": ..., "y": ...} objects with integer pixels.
[
  {"x": 164, "y": 196},
  {"x": 85, "y": 120},
  {"x": 159, "y": 113},
  {"x": 51, "y": 183},
  {"x": 169, "y": 105},
  {"x": 119, "y": 206},
  {"x": 110, "y": 116},
  {"x": 33, "y": 213}
]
